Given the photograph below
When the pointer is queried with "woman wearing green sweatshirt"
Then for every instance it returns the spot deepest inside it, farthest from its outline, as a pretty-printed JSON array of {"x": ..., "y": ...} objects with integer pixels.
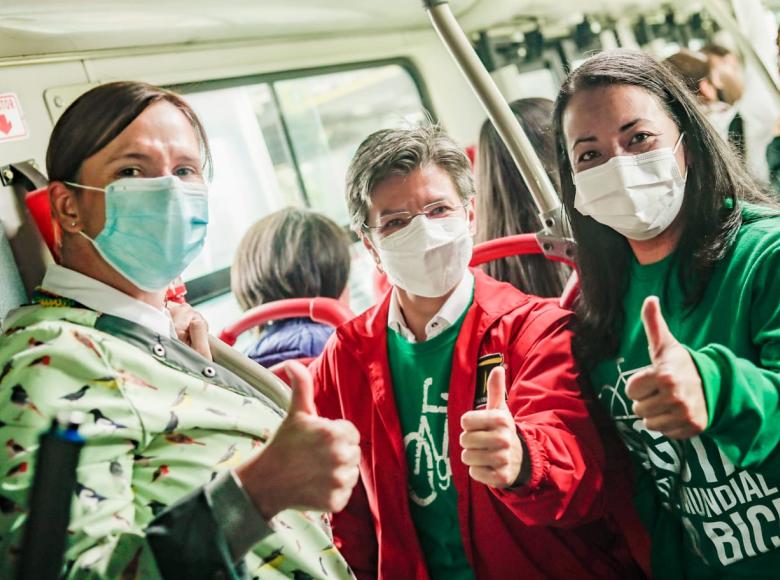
[{"x": 679, "y": 317}]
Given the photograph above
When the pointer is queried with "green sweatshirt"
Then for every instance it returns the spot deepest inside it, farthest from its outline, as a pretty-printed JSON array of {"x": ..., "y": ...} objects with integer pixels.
[
  {"x": 711, "y": 503},
  {"x": 421, "y": 383}
]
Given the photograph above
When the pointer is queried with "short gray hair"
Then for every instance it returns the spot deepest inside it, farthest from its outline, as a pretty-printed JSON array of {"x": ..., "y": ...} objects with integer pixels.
[{"x": 390, "y": 152}]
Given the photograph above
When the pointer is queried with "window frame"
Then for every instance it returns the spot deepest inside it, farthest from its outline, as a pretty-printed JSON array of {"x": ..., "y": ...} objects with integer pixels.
[{"x": 217, "y": 283}]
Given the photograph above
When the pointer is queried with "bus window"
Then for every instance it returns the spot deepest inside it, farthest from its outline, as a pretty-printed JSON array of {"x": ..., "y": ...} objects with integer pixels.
[
  {"x": 329, "y": 115},
  {"x": 245, "y": 184},
  {"x": 282, "y": 140}
]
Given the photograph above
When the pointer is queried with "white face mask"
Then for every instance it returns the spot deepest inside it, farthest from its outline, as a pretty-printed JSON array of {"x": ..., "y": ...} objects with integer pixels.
[
  {"x": 638, "y": 196},
  {"x": 428, "y": 257}
]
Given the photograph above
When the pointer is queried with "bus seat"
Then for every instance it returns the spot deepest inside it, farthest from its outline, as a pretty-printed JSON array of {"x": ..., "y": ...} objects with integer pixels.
[
  {"x": 523, "y": 245},
  {"x": 325, "y": 310},
  {"x": 37, "y": 202},
  {"x": 12, "y": 292}
]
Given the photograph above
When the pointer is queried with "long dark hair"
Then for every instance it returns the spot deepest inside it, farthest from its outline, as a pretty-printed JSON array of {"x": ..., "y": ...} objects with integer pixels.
[
  {"x": 505, "y": 204},
  {"x": 709, "y": 221},
  {"x": 98, "y": 116}
]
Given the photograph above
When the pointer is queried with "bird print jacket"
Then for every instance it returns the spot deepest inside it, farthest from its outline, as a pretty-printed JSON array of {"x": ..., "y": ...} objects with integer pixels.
[{"x": 160, "y": 423}]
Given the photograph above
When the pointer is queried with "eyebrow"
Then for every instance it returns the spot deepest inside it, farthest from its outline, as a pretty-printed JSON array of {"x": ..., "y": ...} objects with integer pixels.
[
  {"x": 387, "y": 212},
  {"x": 591, "y": 138},
  {"x": 137, "y": 155}
]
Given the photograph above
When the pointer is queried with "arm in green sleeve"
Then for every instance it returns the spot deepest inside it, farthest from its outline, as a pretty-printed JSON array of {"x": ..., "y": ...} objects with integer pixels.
[{"x": 743, "y": 396}]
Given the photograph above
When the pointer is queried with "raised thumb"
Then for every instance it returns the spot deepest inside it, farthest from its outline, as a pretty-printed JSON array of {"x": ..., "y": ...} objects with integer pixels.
[
  {"x": 302, "y": 384},
  {"x": 496, "y": 388},
  {"x": 658, "y": 335}
]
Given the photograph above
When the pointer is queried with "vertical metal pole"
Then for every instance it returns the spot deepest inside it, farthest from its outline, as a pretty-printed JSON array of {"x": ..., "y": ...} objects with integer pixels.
[{"x": 554, "y": 236}]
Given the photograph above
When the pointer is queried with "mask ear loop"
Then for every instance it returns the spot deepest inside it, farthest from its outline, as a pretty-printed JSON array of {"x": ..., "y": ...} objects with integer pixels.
[
  {"x": 377, "y": 262},
  {"x": 679, "y": 140},
  {"x": 72, "y": 184},
  {"x": 674, "y": 152}
]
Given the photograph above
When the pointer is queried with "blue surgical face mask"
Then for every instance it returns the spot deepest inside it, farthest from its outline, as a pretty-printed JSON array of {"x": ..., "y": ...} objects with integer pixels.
[{"x": 155, "y": 227}]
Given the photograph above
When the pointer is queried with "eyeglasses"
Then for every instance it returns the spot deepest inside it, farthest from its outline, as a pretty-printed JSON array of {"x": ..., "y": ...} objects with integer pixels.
[{"x": 395, "y": 222}]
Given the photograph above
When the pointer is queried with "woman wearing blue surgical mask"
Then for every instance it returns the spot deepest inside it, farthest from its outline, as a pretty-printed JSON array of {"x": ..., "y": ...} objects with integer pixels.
[
  {"x": 679, "y": 317},
  {"x": 178, "y": 477}
]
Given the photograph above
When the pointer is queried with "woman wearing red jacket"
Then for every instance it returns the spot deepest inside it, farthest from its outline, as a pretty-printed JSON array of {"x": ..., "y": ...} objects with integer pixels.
[{"x": 479, "y": 457}]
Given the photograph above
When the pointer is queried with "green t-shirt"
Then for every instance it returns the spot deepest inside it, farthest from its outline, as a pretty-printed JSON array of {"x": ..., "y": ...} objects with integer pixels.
[
  {"x": 712, "y": 502},
  {"x": 421, "y": 382}
]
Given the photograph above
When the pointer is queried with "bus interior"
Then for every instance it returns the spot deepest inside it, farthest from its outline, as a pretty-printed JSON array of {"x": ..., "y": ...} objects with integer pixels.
[{"x": 287, "y": 91}]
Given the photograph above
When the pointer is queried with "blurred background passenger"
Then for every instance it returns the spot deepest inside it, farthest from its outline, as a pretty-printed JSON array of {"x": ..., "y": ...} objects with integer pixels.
[
  {"x": 715, "y": 78},
  {"x": 292, "y": 253},
  {"x": 506, "y": 207}
]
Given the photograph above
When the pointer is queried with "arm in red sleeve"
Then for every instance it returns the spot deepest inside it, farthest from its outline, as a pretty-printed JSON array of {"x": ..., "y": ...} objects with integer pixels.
[
  {"x": 566, "y": 458},
  {"x": 353, "y": 529}
]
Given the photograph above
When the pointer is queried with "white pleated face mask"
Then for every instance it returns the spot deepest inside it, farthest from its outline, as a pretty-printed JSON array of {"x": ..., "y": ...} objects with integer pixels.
[
  {"x": 428, "y": 257},
  {"x": 638, "y": 196}
]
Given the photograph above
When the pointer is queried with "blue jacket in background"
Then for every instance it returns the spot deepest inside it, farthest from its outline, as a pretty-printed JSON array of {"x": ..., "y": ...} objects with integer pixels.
[{"x": 292, "y": 338}]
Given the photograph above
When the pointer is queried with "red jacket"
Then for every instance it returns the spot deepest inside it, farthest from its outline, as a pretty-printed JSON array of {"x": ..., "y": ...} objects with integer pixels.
[{"x": 551, "y": 527}]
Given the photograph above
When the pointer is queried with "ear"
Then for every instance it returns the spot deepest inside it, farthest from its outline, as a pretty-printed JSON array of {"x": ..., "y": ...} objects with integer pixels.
[
  {"x": 471, "y": 214},
  {"x": 368, "y": 245},
  {"x": 707, "y": 90},
  {"x": 64, "y": 208},
  {"x": 344, "y": 298}
]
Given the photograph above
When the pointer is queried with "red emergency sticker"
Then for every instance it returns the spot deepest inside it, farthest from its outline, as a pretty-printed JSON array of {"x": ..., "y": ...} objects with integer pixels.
[{"x": 11, "y": 118}]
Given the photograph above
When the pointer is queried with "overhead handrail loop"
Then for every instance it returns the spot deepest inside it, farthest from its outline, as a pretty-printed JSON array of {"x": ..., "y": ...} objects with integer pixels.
[{"x": 554, "y": 237}]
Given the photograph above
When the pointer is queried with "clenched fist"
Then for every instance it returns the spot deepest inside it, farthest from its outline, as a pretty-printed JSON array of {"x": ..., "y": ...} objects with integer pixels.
[
  {"x": 668, "y": 395},
  {"x": 310, "y": 464},
  {"x": 491, "y": 445}
]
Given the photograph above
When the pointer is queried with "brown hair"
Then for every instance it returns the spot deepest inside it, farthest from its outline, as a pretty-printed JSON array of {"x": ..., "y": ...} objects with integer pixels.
[
  {"x": 291, "y": 253},
  {"x": 505, "y": 205},
  {"x": 692, "y": 67},
  {"x": 98, "y": 116}
]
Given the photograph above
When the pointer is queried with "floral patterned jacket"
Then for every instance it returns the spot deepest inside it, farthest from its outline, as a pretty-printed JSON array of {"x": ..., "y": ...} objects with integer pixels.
[{"x": 161, "y": 422}]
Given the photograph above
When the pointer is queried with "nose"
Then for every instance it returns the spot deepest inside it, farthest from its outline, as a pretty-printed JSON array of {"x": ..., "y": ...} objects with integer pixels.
[{"x": 614, "y": 149}]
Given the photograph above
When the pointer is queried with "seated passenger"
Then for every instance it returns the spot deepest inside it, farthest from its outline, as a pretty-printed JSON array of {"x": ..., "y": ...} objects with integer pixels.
[
  {"x": 679, "y": 317},
  {"x": 506, "y": 207},
  {"x": 479, "y": 456},
  {"x": 292, "y": 253},
  {"x": 187, "y": 471}
]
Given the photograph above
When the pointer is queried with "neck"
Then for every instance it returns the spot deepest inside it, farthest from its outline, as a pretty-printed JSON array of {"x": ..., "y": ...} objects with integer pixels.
[
  {"x": 79, "y": 255},
  {"x": 419, "y": 310},
  {"x": 659, "y": 247}
]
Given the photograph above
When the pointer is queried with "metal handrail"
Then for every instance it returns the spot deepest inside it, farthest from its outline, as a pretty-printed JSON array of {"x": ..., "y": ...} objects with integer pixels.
[{"x": 554, "y": 238}]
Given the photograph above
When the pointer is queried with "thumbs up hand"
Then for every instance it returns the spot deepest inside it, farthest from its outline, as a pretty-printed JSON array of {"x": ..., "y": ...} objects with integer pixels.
[
  {"x": 310, "y": 464},
  {"x": 491, "y": 446},
  {"x": 668, "y": 395}
]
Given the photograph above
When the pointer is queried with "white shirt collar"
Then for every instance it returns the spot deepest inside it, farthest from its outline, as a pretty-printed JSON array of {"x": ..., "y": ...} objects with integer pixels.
[
  {"x": 447, "y": 315},
  {"x": 105, "y": 299}
]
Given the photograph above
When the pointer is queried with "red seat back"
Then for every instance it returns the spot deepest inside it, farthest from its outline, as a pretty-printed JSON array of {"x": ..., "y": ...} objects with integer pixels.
[
  {"x": 524, "y": 245},
  {"x": 37, "y": 202},
  {"x": 325, "y": 310}
]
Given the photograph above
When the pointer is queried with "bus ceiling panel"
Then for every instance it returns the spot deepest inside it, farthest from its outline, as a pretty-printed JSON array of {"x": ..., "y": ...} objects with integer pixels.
[
  {"x": 491, "y": 13},
  {"x": 34, "y": 27}
]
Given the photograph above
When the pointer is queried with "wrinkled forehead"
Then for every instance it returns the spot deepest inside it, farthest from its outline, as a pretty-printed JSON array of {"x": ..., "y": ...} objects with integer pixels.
[
  {"x": 412, "y": 191},
  {"x": 601, "y": 112}
]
